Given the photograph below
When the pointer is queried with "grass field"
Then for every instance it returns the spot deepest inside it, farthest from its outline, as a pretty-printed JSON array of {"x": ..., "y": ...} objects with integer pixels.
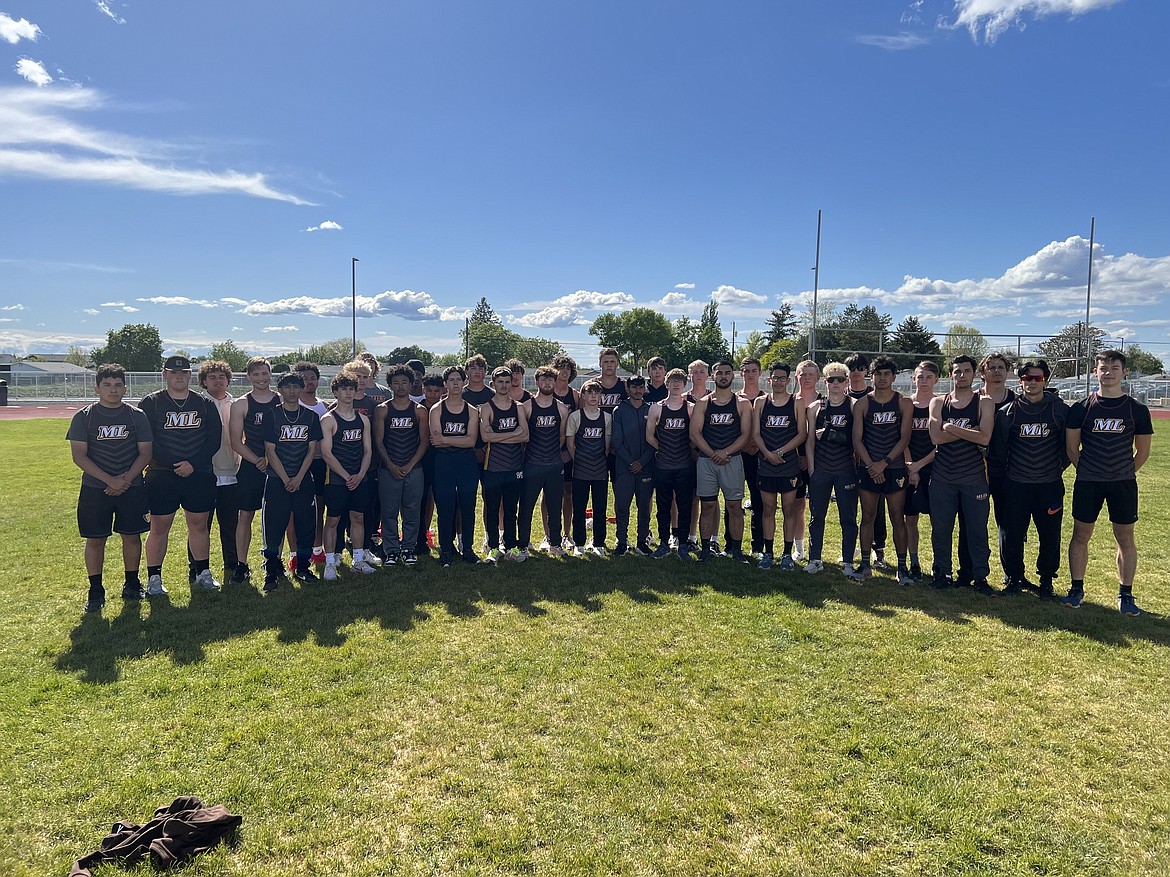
[{"x": 620, "y": 716}]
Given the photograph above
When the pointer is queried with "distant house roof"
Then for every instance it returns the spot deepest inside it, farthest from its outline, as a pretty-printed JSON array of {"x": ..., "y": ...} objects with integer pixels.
[{"x": 47, "y": 368}]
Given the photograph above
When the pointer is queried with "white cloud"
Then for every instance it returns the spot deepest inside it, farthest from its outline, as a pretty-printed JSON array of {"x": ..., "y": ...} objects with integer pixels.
[
  {"x": 582, "y": 300},
  {"x": 893, "y": 42},
  {"x": 38, "y": 139},
  {"x": 177, "y": 300},
  {"x": 990, "y": 18},
  {"x": 551, "y": 317},
  {"x": 684, "y": 286},
  {"x": 16, "y": 307},
  {"x": 235, "y": 301},
  {"x": 407, "y": 305},
  {"x": 33, "y": 71},
  {"x": 327, "y": 225},
  {"x": 111, "y": 304},
  {"x": 93, "y": 312},
  {"x": 679, "y": 303},
  {"x": 729, "y": 295},
  {"x": 104, "y": 7},
  {"x": 9, "y": 320},
  {"x": 268, "y": 329},
  {"x": 237, "y": 328},
  {"x": 129, "y": 309},
  {"x": 13, "y": 30}
]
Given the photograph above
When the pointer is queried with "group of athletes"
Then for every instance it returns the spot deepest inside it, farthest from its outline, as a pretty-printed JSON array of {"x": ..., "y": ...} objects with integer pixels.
[{"x": 383, "y": 460}]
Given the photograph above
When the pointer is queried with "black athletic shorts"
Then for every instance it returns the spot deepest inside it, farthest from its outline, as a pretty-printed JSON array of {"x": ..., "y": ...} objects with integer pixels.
[
  {"x": 896, "y": 479},
  {"x": 339, "y": 499},
  {"x": 318, "y": 469},
  {"x": 166, "y": 491},
  {"x": 918, "y": 498},
  {"x": 779, "y": 484},
  {"x": 251, "y": 481},
  {"x": 129, "y": 513},
  {"x": 802, "y": 490},
  {"x": 1121, "y": 496}
]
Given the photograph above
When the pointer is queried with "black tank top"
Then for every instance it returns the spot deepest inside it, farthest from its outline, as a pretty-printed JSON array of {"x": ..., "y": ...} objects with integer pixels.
[
  {"x": 778, "y": 428},
  {"x": 721, "y": 423},
  {"x": 834, "y": 447},
  {"x": 254, "y": 421},
  {"x": 960, "y": 462},
  {"x": 673, "y": 432},
  {"x": 504, "y": 457},
  {"x": 544, "y": 435},
  {"x": 347, "y": 445},
  {"x": 921, "y": 443},
  {"x": 569, "y": 399},
  {"x": 883, "y": 429},
  {"x": 454, "y": 426},
  {"x": 400, "y": 436},
  {"x": 590, "y": 462}
]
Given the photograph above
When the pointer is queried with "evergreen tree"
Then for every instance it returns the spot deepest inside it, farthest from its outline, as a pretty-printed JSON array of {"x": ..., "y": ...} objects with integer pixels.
[
  {"x": 781, "y": 324},
  {"x": 912, "y": 342}
]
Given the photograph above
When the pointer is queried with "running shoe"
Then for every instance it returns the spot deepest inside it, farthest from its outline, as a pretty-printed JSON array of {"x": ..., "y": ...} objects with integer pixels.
[
  {"x": 207, "y": 581},
  {"x": 331, "y": 572},
  {"x": 1127, "y": 606},
  {"x": 155, "y": 587},
  {"x": 813, "y": 567}
]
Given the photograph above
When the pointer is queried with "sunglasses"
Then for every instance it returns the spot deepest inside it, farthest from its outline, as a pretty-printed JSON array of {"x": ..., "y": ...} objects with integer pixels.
[
  {"x": 1036, "y": 378},
  {"x": 836, "y": 379}
]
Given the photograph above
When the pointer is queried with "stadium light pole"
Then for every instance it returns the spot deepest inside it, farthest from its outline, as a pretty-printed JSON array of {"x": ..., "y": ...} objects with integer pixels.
[
  {"x": 812, "y": 335},
  {"x": 353, "y": 301},
  {"x": 1088, "y": 300}
]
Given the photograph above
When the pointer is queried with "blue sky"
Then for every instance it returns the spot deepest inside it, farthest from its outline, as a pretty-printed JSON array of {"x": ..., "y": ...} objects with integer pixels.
[{"x": 212, "y": 168}]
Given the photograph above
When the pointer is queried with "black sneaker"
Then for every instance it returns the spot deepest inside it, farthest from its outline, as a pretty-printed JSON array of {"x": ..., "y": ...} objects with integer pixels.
[
  {"x": 941, "y": 583},
  {"x": 1074, "y": 598},
  {"x": 1045, "y": 591},
  {"x": 1013, "y": 588},
  {"x": 133, "y": 592},
  {"x": 96, "y": 600},
  {"x": 643, "y": 550},
  {"x": 916, "y": 572},
  {"x": 445, "y": 559},
  {"x": 738, "y": 556},
  {"x": 663, "y": 550},
  {"x": 620, "y": 549},
  {"x": 271, "y": 581},
  {"x": 471, "y": 557},
  {"x": 306, "y": 576},
  {"x": 981, "y": 587},
  {"x": 704, "y": 554},
  {"x": 241, "y": 576}
]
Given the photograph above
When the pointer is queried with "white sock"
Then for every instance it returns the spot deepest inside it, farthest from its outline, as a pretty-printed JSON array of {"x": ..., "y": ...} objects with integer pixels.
[
  {"x": 359, "y": 554},
  {"x": 799, "y": 543},
  {"x": 318, "y": 549},
  {"x": 331, "y": 559}
]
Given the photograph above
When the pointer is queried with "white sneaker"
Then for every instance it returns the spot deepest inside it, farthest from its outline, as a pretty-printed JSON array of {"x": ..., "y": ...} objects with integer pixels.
[
  {"x": 544, "y": 547},
  {"x": 363, "y": 566},
  {"x": 331, "y": 572},
  {"x": 813, "y": 567},
  {"x": 597, "y": 551},
  {"x": 797, "y": 551},
  {"x": 567, "y": 544},
  {"x": 154, "y": 587},
  {"x": 847, "y": 570},
  {"x": 373, "y": 560},
  {"x": 206, "y": 581}
]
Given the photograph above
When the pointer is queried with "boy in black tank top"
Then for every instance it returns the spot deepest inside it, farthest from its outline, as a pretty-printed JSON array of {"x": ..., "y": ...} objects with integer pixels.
[
  {"x": 245, "y": 427},
  {"x": 401, "y": 439},
  {"x": 668, "y": 431},
  {"x": 882, "y": 422},
  {"x": 960, "y": 426},
  {"x": 564, "y": 391},
  {"x": 1108, "y": 439},
  {"x": 779, "y": 431},
  {"x": 543, "y": 463},
  {"x": 919, "y": 455},
  {"x": 587, "y": 436},
  {"x": 345, "y": 448},
  {"x": 505, "y": 432},
  {"x": 454, "y": 426}
]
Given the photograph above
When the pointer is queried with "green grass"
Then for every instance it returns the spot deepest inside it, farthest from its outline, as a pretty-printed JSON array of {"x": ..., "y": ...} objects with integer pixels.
[{"x": 572, "y": 717}]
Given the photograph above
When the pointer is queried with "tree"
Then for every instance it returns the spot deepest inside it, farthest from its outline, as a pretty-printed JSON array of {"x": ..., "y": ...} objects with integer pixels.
[
  {"x": 752, "y": 347},
  {"x": 912, "y": 342},
  {"x": 285, "y": 361},
  {"x": 781, "y": 324},
  {"x": 861, "y": 329},
  {"x": 411, "y": 351},
  {"x": 339, "y": 351},
  {"x": 1065, "y": 351},
  {"x": 536, "y": 351},
  {"x": 231, "y": 353},
  {"x": 445, "y": 360},
  {"x": 699, "y": 341},
  {"x": 483, "y": 313},
  {"x": 136, "y": 346},
  {"x": 786, "y": 350},
  {"x": 639, "y": 333},
  {"x": 78, "y": 356},
  {"x": 826, "y": 338},
  {"x": 962, "y": 339},
  {"x": 498, "y": 345},
  {"x": 1141, "y": 362}
]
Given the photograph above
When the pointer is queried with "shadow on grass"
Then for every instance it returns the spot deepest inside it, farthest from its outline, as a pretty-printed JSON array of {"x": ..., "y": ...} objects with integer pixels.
[{"x": 399, "y": 598}]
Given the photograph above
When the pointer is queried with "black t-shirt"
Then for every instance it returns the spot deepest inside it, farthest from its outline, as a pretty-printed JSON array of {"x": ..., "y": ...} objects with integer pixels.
[
  {"x": 291, "y": 434},
  {"x": 189, "y": 430},
  {"x": 1108, "y": 427},
  {"x": 113, "y": 435}
]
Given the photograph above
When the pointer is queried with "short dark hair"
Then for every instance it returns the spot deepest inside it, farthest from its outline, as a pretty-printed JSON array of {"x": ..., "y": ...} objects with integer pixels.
[
  {"x": 726, "y": 362},
  {"x": 213, "y": 365},
  {"x": 433, "y": 380},
  {"x": 607, "y": 351},
  {"x": 750, "y": 360},
  {"x": 255, "y": 362},
  {"x": 961, "y": 358},
  {"x": 857, "y": 362},
  {"x": 883, "y": 363},
  {"x": 110, "y": 370},
  {"x": 591, "y": 386},
  {"x": 400, "y": 370},
  {"x": 995, "y": 354},
  {"x": 1107, "y": 355},
  {"x": 474, "y": 359},
  {"x": 780, "y": 366},
  {"x": 340, "y": 380},
  {"x": 1034, "y": 363},
  {"x": 515, "y": 366},
  {"x": 635, "y": 381},
  {"x": 546, "y": 371},
  {"x": 501, "y": 371},
  {"x": 677, "y": 374},
  {"x": 655, "y": 361},
  {"x": 290, "y": 378},
  {"x": 305, "y": 366},
  {"x": 457, "y": 369}
]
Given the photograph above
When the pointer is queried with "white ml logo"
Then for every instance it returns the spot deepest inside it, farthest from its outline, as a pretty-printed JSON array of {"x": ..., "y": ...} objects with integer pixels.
[
  {"x": 506, "y": 424},
  {"x": 402, "y": 423},
  {"x": 1108, "y": 424},
  {"x": 884, "y": 417},
  {"x": 117, "y": 431},
  {"x": 593, "y": 432},
  {"x": 777, "y": 421},
  {"x": 181, "y": 420},
  {"x": 721, "y": 419},
  {"x": 545, "y": 421},
  {"x": 1034, "y": 430},
  {"x": 674, "y": 423},
  {"x": 351, "y": 435},
  {"x": 293, "y": 433}
]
